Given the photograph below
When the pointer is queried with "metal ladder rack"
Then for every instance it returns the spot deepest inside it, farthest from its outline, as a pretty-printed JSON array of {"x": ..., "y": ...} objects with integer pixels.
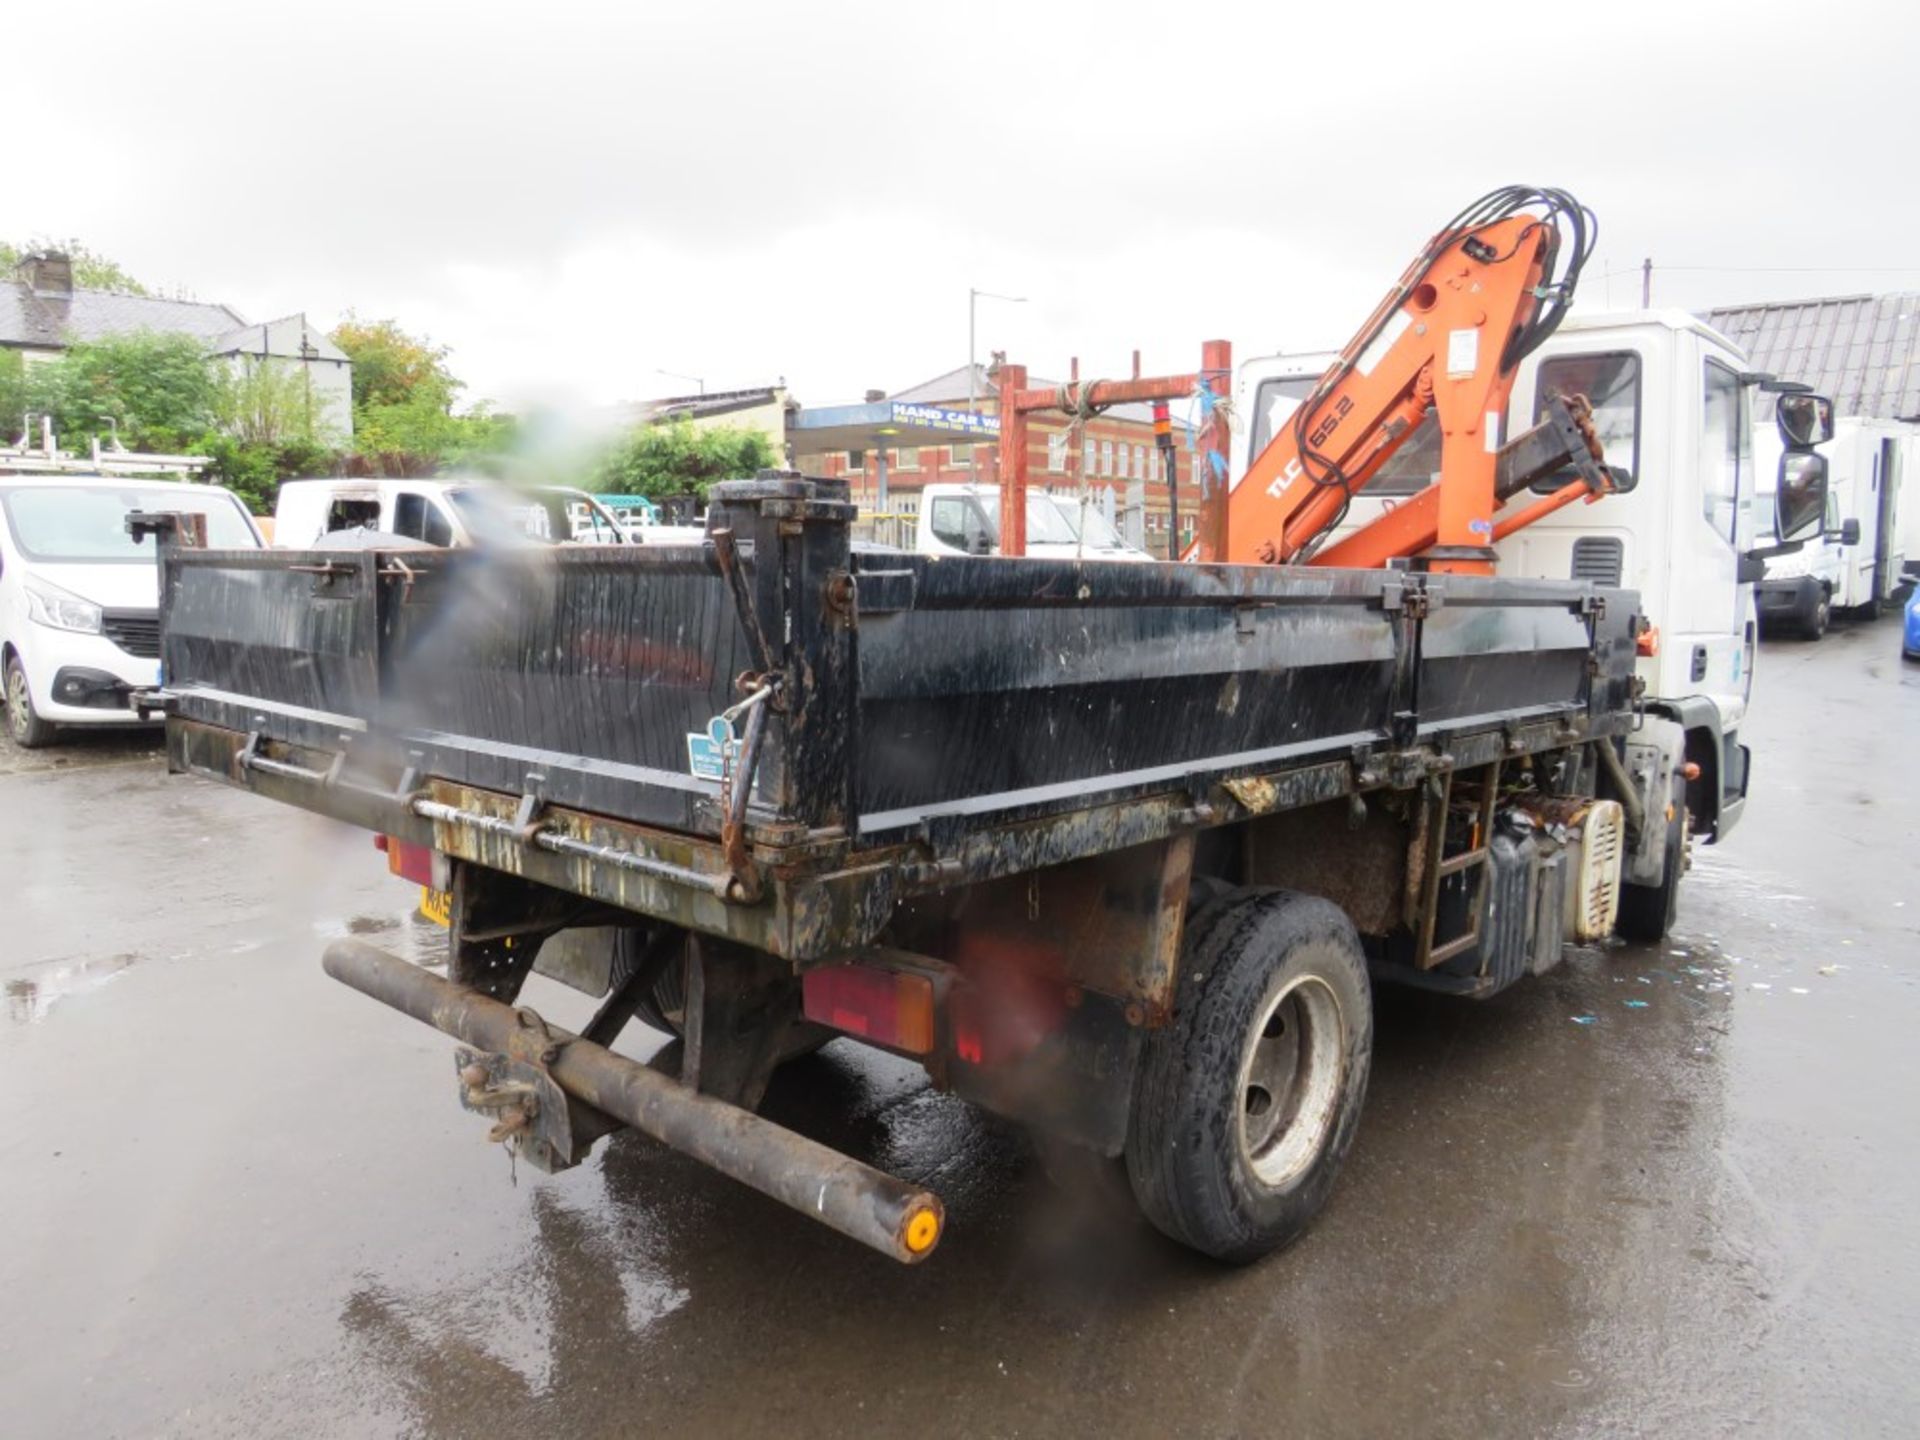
[{"x": 1476, "y": 858}]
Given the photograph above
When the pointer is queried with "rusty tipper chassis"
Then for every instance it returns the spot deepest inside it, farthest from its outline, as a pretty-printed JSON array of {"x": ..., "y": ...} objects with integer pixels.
[{"x": 1111, "y": 849}]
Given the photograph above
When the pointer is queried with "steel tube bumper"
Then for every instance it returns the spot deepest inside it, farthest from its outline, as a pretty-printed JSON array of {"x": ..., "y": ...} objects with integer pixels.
[{"x": 879, "y": 1210}]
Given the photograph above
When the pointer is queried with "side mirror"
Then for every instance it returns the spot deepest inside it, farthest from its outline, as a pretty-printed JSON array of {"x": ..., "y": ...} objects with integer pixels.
[
  {"x": 1800, "y": 499},
  {"x": 1849, "y": 532},
  {"x": 1752, "y": 569},
  {"x": 1803, "y": 420}
]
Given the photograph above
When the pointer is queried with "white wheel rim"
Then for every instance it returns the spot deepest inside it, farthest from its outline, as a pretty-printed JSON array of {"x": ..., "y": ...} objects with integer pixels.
[
  {"x": 1290, "y": 1077},
  {"x": 17, "y": 699}
]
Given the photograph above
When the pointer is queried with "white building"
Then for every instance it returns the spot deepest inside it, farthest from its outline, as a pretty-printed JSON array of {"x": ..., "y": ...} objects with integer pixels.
[{"x": 42, "y": 312}]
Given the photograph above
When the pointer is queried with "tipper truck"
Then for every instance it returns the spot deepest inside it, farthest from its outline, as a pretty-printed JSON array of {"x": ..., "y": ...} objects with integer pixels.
[{"x": 1116, "y": 851}]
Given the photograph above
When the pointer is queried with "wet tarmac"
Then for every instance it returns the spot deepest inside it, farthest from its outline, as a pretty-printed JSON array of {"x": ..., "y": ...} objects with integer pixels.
[{"x": 1667, "y": 1192}]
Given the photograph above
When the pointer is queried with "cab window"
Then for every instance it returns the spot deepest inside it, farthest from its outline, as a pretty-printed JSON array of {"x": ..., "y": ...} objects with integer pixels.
[
  {"x": 1725, "y": 456},
  {"x": 958, "y": 521},
  {"x": 1411, "y": 468},
  {"x": 1611, "y": 383},
  {"x": 418, "y": 518},
  {"x": 350, "y": 513}
]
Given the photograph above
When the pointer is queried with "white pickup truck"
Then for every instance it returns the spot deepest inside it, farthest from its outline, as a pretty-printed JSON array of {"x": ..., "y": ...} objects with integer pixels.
[
  {"x": 449, "y": 511},
  {"x": 965, "y": 520}
]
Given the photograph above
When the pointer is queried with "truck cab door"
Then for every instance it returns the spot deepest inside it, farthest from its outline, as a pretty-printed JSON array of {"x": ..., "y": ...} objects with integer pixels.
[{"x": 1710, "y": 608}]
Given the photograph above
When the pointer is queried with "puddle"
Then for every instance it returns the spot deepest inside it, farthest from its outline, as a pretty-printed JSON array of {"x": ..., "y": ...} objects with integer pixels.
[{"x": 31, "y": 998}]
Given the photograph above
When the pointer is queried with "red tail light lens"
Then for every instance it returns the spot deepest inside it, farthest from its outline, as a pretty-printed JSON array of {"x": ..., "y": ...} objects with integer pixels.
[
  {"x": 888, "y": 1007},
  {"x": 409, "y": 862}
]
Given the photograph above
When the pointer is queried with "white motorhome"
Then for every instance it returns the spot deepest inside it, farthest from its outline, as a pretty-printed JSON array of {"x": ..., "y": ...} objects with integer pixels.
[
  {"x": 965, "y": 520},
  {"x": 1672, "y": 402},
  {"x": 1857, "y": 564},
  {"x": 449, "y": 511}
]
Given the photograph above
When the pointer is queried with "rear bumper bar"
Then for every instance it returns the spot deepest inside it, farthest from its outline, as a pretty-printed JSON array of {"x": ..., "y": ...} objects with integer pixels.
[{"x": 888, "y": 1214}]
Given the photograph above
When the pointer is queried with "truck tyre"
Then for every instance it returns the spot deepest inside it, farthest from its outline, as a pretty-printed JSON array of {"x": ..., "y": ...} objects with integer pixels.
[
  {"x": 28, "y": 730},
  {"x": 1813, "y": 624},
  {"x": 1646, "y": 911},
  {"x": 1248, "y": 1097},
  {"x": 1085, "y": 1175}
]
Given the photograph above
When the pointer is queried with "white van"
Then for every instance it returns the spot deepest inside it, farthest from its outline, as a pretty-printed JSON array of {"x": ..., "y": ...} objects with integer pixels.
[
  {"x": 1858, "y": 564},
  {"x": 79, "y": 600},
  {"x": 965, "y": 520},
  {"x": 450, "y": 511}
]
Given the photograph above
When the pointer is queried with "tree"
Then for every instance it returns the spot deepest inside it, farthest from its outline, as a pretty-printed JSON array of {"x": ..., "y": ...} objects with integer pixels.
[
  {"x": 391, "y": 367},
  {"x": 13, "y": 395},
  {"x": 91, "y": 270},
  {"x": 266, "y": 402},
  {"x": 676, "y": 456},
  {"x": 268, "y": 431},
  {"x": 152, "y": 391}
]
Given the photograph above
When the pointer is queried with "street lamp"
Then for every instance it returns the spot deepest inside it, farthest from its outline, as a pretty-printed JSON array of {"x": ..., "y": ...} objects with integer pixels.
[
  {"x": 973, "y": 297},
  {"x": 676, "y": 375}
]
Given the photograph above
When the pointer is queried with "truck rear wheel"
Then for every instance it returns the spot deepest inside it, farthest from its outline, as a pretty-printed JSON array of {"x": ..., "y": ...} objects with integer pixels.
[
  {"x": 1248, "y": 1098},
  {"x": 1647, "y": 911}
]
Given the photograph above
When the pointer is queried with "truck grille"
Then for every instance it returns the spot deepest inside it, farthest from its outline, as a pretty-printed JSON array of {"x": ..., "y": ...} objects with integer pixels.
[
  {"x": 1598, "y": 558},
  {"x": 135, "y": 631}
]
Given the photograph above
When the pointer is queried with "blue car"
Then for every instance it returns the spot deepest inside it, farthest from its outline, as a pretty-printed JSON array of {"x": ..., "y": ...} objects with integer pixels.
[{"x": 1910, "y": 636}]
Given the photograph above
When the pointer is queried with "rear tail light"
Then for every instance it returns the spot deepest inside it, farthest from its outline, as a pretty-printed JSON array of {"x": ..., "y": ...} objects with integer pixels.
[
  {"x": 409, "y": 862},
  {"x": 888, "y": 1007}
]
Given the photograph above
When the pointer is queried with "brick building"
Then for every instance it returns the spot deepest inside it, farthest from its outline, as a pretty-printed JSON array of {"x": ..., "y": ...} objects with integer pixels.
[{"x": 1117, "y": 456}]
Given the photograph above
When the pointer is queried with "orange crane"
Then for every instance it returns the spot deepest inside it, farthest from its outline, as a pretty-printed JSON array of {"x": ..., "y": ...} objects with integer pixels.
[{"x": 1485, "y": 291}]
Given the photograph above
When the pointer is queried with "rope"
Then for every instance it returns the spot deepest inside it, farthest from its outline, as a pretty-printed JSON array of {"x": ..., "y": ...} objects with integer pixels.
[
  {"x": 1077, "y": 400},
  {"x": 1212, "y": 409}
]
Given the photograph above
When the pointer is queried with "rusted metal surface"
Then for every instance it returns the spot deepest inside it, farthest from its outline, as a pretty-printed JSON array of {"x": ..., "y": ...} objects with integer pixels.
[
  {"x": 890, "y": 1215},
  {"x": 1016, "y": 403},
  {"x": 1322, "y": 851},
  {"x": 1104, "y": 393},
  {"x": 1213, "y": 442},
  {"x": 824, "y": 898},
  {"x": 1108, "y": 923},
  {"x": 1013, "y": 461}
]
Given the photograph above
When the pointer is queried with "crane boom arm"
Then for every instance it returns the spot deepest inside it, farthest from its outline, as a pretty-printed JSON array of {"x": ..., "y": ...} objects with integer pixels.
[{"x": 1447, "y": 339}]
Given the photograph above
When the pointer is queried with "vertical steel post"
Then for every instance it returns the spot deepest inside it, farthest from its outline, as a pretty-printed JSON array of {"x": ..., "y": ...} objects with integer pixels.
[
  {"x": 1013, "y": 461},
  {"x": 1210, "y": 532}
]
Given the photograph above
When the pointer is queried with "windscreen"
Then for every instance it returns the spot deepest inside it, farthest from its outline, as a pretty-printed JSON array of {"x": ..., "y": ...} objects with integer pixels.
[
  {"x": 1409, "y": 470},
  {"x": 1046, "y": 524},
  {"x": 497, "y": 515},
  {"x": 1097, "y": 533},
  {"x": 88, "y": 523}
]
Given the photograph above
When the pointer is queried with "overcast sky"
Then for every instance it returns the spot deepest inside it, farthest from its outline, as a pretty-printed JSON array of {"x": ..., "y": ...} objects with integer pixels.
[{"x": 574, "y": 197}]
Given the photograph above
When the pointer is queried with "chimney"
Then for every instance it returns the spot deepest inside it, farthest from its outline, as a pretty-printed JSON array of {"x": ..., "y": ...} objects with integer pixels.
[
  {"x": 48, "y": 273},
  {"x": 874, "y": 397}
]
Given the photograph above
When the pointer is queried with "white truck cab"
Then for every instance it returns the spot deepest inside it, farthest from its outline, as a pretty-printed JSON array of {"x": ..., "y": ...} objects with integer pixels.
[
  {"x": 1672, "y": 402},
  {"x": 79, "y": 599},
  {"x": 965, "y": 520},
  {"x": 1858, "y": 562},
  {"x": 448, "y": 511}
]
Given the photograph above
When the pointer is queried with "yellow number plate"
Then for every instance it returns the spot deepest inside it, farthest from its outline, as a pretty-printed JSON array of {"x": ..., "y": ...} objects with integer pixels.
[{"x": 436, "y": 905}]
